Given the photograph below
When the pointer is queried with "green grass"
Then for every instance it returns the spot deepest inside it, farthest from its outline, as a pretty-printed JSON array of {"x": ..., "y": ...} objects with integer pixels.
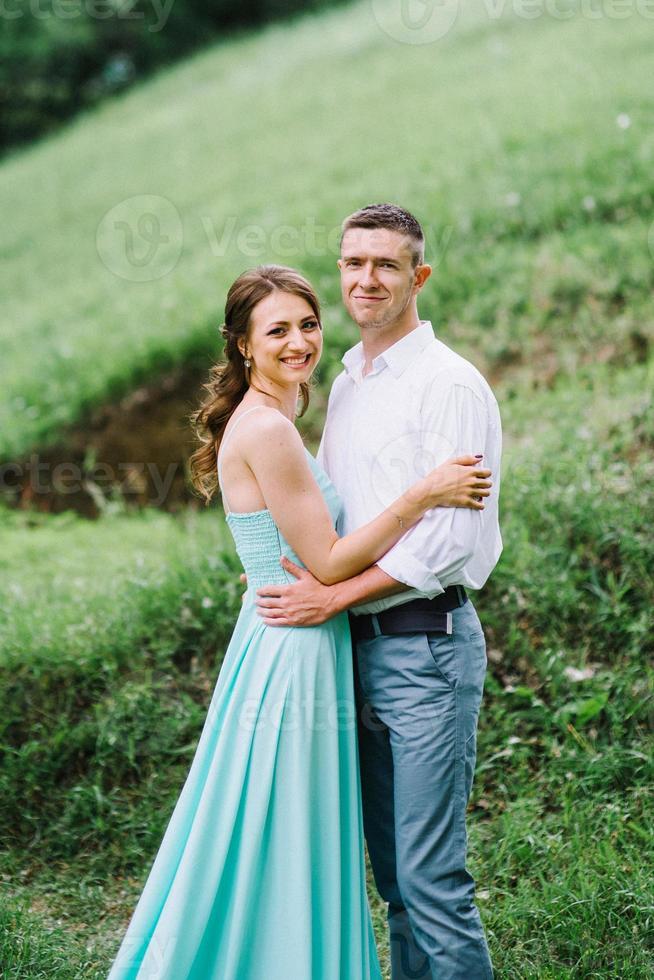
[
  {"x": 499, "y": 133},
  {"x": 107, "y": 657},
  {"x": 101, "y": 720},
  {"x": 112, "y": 632}
]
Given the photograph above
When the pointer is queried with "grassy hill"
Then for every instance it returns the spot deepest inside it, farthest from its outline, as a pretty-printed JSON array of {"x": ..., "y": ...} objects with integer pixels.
[{"x": 526, "y": 147}]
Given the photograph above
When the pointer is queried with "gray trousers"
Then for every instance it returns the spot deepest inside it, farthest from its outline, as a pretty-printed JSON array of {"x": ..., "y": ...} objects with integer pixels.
[{"x": 418, "y": 698}]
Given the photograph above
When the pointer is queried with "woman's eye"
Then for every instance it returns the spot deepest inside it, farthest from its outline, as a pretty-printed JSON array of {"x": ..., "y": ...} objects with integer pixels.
[{"x": 312, "y": 324}]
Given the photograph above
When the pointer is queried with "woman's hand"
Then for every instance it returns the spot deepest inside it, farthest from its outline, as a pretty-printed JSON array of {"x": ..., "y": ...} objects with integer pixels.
[{"x": 459, "y": 482}]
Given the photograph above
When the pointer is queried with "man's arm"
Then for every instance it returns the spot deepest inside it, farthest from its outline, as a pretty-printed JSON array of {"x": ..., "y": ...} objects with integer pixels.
[
  {"x": 308, "y": 602},
  {"x": 432, "y": 554},
  {"x": 429, "y": 557}
]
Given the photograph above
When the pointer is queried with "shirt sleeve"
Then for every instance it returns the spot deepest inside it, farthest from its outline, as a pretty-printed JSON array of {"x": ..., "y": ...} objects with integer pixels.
[
  {"x": 431, "y": 555},
  {"x": 320, "y": 455}
]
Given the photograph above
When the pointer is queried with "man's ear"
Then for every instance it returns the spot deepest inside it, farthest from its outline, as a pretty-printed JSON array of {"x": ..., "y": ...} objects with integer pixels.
[{"x": 422, "y": 274}]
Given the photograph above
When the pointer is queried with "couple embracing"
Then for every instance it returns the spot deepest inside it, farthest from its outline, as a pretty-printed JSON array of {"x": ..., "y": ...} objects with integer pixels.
[{"x": 348, "y": 698}]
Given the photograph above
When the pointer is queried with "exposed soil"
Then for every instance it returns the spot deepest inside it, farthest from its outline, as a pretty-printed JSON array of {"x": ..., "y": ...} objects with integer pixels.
[{"x": 137, "y": 448}]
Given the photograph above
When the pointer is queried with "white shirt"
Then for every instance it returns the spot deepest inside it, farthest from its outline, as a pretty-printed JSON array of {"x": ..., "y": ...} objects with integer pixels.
[{"x": 421, "y": 404}]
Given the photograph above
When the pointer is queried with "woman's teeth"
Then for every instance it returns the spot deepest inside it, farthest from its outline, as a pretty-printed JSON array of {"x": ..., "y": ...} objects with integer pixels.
[{"x": 296, "y": 360}]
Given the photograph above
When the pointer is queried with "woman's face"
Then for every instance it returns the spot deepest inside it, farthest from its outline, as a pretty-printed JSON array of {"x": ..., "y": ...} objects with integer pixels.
[{"x": 284, "y": 339}]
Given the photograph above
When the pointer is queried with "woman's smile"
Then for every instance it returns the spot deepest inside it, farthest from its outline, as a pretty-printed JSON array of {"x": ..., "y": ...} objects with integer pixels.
[{"x": 297, "y": 361}]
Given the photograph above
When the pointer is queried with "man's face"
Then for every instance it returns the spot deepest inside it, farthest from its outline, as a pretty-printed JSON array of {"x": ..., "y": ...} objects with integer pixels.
[{"x": 378, "y": 278}]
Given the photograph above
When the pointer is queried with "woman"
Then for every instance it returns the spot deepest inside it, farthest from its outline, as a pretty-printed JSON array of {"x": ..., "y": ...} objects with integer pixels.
[{"x": 260, "y": 874}]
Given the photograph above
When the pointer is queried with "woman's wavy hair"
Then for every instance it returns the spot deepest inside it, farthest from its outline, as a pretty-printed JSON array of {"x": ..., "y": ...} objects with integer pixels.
[{"x": 227, "y": 379}]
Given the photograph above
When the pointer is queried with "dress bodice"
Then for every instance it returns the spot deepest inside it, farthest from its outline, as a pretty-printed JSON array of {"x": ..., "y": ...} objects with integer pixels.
[{"x": 259, "y": 542}]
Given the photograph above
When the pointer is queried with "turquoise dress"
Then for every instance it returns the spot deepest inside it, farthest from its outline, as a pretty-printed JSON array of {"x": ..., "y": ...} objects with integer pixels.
[{"x": 260, "y": 874}]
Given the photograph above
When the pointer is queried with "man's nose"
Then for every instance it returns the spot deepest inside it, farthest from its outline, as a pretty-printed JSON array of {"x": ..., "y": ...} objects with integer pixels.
[{"x": 368, "y": 277}]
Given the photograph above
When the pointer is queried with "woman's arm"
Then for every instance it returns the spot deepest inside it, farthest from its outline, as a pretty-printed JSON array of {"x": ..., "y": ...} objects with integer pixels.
[{"x": 273, "y": 450}]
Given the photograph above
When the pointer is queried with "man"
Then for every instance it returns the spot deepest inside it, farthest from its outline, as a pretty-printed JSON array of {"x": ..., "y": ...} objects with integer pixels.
[{"x": 404, "y": 403}]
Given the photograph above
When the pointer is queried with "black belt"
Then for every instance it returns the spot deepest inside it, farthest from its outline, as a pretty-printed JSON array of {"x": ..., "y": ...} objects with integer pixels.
[{"x": 416, "y": 616}]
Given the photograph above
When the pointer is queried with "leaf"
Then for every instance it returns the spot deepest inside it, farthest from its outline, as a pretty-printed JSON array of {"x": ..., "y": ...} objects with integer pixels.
[{"x": 584, "y": 709}]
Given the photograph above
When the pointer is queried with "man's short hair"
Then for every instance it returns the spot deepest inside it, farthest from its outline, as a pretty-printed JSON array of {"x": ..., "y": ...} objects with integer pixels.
[{"x": 393, "y": 218}]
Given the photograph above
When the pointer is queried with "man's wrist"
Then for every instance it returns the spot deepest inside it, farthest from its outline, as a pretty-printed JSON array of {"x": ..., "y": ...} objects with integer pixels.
[
  {"x": 369, "y": 586},
  {"x": 336, "y": 600}
]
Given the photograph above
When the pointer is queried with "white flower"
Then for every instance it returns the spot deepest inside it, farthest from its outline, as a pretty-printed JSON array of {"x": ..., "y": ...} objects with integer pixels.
[
  {"x": 574, "y": 674},
  {"x": 623, "y": 121},
  {"x": 207, "y": 602},
  {"x": 512, "y": 199},
  {"x": 588, "y": 203}
]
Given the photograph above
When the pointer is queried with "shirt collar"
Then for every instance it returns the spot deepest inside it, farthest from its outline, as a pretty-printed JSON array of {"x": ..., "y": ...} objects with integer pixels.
[{"x": 397, "y": 358}]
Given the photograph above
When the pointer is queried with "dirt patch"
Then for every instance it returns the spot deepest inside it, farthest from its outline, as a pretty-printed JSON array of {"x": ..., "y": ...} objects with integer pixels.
[{"x": 137, "y": 448}]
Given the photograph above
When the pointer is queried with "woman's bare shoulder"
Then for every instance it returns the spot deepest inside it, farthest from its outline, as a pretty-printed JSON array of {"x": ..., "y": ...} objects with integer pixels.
[{"x": 265, "y": 426}]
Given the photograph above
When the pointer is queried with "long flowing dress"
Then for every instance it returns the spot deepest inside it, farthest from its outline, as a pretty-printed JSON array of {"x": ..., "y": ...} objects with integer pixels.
[{"x": 260, "y": 874}]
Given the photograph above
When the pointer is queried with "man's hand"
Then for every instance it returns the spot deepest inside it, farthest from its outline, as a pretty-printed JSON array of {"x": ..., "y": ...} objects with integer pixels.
[{"x": 306, "y": 602}]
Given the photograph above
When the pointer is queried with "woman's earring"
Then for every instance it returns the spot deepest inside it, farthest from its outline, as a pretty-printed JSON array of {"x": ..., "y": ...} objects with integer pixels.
[{"x": 247, "y": 362}]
